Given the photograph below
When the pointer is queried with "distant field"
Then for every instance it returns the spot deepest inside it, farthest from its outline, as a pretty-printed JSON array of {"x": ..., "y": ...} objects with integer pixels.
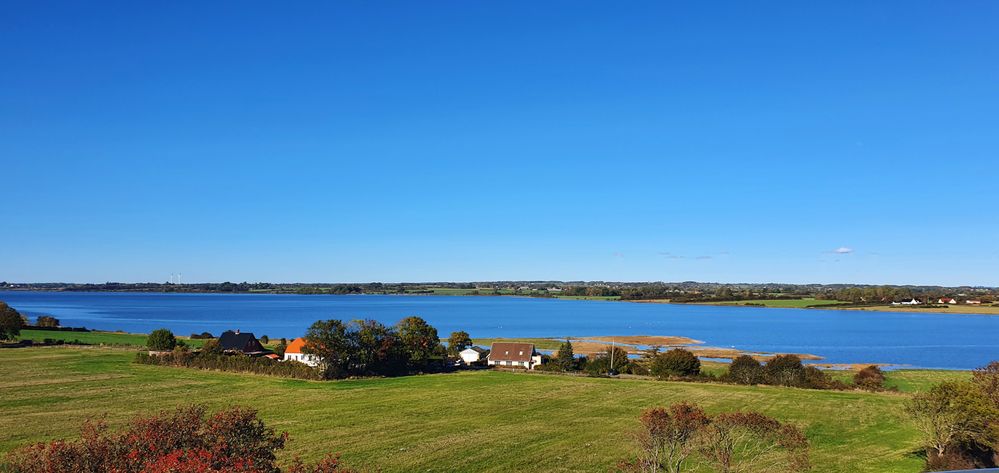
[
  {"x": 96, "y": 338},
  {"x": 781, "y": 303},
  {"x": 469, "y": 421}
]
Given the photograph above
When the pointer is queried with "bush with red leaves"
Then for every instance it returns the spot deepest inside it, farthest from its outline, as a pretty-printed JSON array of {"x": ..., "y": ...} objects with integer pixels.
[{"x": 185, "y": 440}]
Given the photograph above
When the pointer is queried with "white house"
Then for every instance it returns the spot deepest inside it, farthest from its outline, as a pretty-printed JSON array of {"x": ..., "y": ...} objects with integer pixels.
[
  {"x": 946, "y": 300},
  {"x": 472, "y": 354},
  {"x": 294, "y": 353},
  {"x": 514, "y": 354},
  {"x": 912, "y": 302}
]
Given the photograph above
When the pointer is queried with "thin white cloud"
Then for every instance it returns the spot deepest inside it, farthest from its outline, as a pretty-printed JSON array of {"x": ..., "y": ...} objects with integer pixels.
[{"x": 843, "y": 250}]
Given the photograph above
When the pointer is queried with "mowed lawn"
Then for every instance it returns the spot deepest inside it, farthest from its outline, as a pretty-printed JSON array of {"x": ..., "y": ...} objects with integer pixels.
[{"x": 475, "y": 420}]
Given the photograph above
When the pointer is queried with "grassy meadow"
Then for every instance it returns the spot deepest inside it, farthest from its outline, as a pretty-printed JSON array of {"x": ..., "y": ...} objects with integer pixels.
[
  {"x": 473, "y": 420},
  {"x": 96, "y": 337}
]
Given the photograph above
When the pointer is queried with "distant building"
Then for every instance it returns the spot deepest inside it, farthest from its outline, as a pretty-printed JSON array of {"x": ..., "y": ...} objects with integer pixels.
[
  {"x": 946, "y": 300},
  {"x": 236, "y": 342},
  {"x": 472, "y": 355},
  {"x": 912, "y": 302},
  {"x": 513, "y": 354},
  {"x": 294, "y": 353},
  {"x": 973, "y": 302}
]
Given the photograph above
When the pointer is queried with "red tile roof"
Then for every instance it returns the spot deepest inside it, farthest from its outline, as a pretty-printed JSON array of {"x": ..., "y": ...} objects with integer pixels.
[{"x": 296, "y": 346}]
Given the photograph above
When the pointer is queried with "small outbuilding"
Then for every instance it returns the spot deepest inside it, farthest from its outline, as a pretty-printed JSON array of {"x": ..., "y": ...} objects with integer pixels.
[
  {"x": 472, "y": 355},
  {"x": 514, "y": 354}
]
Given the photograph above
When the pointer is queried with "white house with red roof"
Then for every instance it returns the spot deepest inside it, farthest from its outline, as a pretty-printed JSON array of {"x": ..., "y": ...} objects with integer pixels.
[{"x": 294, "y": 353}]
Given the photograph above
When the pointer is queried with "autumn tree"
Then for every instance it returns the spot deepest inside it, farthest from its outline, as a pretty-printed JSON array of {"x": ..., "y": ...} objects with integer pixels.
[
  {"x": 185, "y": 440},
  {"x": 784, "y": 370},
  {"x": 457, "y": 342},
  {"x": 745, "y": 369},
  {"x": 667, "y": 437}
]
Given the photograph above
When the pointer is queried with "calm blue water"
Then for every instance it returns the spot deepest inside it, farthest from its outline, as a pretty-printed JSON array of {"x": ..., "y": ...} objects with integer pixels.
[{"x": 918, "y": 339}]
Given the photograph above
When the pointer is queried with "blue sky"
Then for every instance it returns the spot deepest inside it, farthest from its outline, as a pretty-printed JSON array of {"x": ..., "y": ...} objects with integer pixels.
[{"x": 414, "y": 141}]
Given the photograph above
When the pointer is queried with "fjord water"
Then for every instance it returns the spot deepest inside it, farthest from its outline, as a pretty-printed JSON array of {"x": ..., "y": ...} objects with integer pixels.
[{"x": 919, "y": 339}]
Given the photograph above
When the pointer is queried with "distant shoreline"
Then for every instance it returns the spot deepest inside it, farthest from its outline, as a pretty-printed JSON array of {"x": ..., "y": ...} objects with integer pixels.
[{"x": 804, "y": 303}]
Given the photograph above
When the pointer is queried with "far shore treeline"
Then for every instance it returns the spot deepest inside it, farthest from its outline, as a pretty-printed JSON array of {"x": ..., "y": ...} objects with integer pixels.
[{"x": 688, "y": 291}]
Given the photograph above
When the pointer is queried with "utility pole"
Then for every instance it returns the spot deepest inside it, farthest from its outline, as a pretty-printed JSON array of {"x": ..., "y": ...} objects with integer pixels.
[{"x": 610, "y": 369}]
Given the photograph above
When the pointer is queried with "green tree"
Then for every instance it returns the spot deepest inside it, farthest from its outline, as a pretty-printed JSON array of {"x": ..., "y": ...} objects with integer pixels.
[
  {"x": 161, "y": 340},
  {"x": 784, "y": 370},
  {"x": 951, "y": 414},
  {"x": 565, "y": 358},
  {"x": 11, "y": 322},
  {"x": 612, "y": 360},
  {"x": 457, "y": 342},
  {"x": 420, "y": 341},
  {"x": 745, "y": 370},
  {"x": 47, "y": 321},
  {"x": 676, "y": 362},
  {"x": 378, "y": 348},
  {"x": 264, "y": 339},
  {"x": 329, "y": 341}
]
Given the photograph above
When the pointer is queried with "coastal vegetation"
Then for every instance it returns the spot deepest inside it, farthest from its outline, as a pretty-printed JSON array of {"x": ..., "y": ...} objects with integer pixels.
[{"x": 484, "y": 420}]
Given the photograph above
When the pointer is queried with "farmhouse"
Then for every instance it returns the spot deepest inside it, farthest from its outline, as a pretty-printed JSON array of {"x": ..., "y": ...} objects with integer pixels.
[
  {"x": 946, "y": 300},
  {"x": 294, "y": 353},
  {"x": 472, "y": 355},
  {"x": 514, "y": 354},
  {"x": 236, "y": 342}
]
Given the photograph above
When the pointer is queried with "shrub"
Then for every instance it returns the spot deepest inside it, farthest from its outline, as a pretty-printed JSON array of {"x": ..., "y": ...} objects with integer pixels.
[
  {"x": 264, "y": 339},
  {"x": 870, "y": 378},
  {"x": 676, "y": 362},
  {"x": 185, "y": 440},
  {"x": 47, "y": 321},
  {"x": 683, "y": 437},
  {"x": 236, "y": 363},
  {"x": 613, "y": 360},
  {"x": 161, "y": 340},
  {"x": 815, "y": 378},
  {"x": 745, "y": 370},
  {"x": 784, "y": 370}
]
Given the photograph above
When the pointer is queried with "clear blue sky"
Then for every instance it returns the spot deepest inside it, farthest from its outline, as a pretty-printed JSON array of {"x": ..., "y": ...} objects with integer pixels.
[{"x": 416, "y": 141}]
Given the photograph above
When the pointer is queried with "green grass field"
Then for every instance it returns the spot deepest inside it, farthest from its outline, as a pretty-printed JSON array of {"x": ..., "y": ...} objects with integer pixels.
[
  {"x": 476, "y": 420},
  {"x": 96, "y": 338}
]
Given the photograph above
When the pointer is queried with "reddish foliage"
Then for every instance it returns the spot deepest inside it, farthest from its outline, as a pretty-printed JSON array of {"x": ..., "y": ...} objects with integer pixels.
[{"x": 180, "y": 441}]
